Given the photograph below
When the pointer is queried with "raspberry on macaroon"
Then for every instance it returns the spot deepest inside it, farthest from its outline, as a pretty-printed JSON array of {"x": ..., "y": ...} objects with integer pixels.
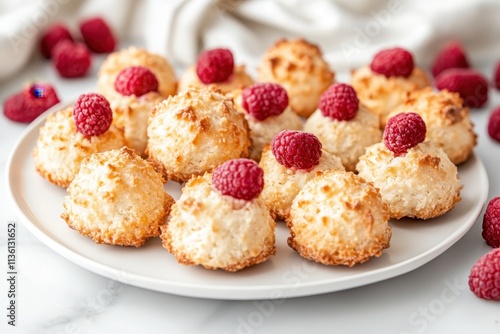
[
  {"x": 404, "y": 131},
  {"x": 92, "y": 114},
  {"x": 339, "y": 102},
  {"x": 215, "y": 65},
  {"x": 262, "y": 100},
  {"x": 393, "y": 62},
  {"x": 239, "y": 178},
  {"x": 136, "y": 80},
  {"x": 296, "y": 149}
]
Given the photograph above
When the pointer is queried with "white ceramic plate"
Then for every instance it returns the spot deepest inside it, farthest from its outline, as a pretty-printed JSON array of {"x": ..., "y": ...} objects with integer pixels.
[{"x": 414, "y": 243}]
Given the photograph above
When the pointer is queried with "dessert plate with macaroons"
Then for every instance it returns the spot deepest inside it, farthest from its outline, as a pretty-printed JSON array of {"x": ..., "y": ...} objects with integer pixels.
[{"x": 286, "y": 274}]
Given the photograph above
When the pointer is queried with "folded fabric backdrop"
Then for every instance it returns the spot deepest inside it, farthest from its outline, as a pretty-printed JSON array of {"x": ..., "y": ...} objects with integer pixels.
[{"x": 348, "y": 31}]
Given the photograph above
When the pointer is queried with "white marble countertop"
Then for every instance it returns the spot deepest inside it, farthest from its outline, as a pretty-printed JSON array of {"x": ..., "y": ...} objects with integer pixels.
[{"x": 56, "y": 296}]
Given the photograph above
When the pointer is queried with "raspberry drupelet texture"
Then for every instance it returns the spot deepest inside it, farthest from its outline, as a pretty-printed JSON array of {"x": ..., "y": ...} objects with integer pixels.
[
  {"x": 494, "y": 124},
  {"x": 451, "y": 55},
  {"x": 28, "y": 104},
  {"x": 239, "y": 178},
  {"x": 97, "y": 35},
  {"x": 262, "y": 100},
  {"x": 214, "y": 65},
  {"x": 92, "y": 114},
  {"x": 393, "y": 62},
  {"x": 136, "y": 80},
  {"x": 404, "y": 131},
  {"x": 71, "y": 60},
  {"x": 296, "y": 149},
  {"x": 496, "y": 76},
  {"x": 470, "y": 84},
  {"x": 54, "y": 35},
  {"x": 484, "y": 278},
  {"x": 339, "y": 102},
  {"x": 491, "y": 223}
]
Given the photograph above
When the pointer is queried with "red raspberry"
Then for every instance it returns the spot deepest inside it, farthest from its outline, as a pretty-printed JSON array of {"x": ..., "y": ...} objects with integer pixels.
[
  {"x": 296, "y": 149},
  {"x": 470, "y": 84},
  {"x": 395, "y": 62},
  {"x": 214, "y": 65},
  {"x": 494, "y": 124},
  {"x": 264, "y": 99},
  {"x": 496, "y": 76},
  {"x": 72, "y": 60},
  {"x": 491, "y": 223},
  {"x": 484, "y": 278},
  {"x": 28, "y": 104},
  {"x": 339, "y": 102},
  {"x": 239, "y": 178},
  {"x": 54, "y": 35},
  {"x": 404, "y": 131},
  {"x": 92, "y": 114},
  {"x": 451, "y": 55},
  {"x": 136, "y": 80},
  {"x": 97, "y": 35}
]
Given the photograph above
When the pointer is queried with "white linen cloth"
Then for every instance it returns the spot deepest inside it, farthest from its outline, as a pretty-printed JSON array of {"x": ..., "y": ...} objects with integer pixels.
[{"x": 348, "y": 31}]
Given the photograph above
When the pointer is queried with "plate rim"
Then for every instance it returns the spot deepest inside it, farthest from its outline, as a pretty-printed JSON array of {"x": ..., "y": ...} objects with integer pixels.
[{"x": 226, "y": 292}]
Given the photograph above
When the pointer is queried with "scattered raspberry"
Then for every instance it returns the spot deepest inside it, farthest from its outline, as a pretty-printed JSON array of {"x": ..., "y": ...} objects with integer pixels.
[
  {"x": 214, "y": 65},
  {"x": 28, "y": 104},
  {"x": 72, "y": 60},
  {"x": 92, "y": 114},
  {"x": 301, "y": 150},
  {"x": 451, "y": 55},
  {"x": 54, "y": 35},
  {"x": 339, "y": 102},
  {"x": 404, "y": 131},
  {"x": 136, "y": 80},
  {"x": 239, "y": 178},
  {"x": 395, "y": 62},
  {"x": 484, "y": 278},
  {"x": 496, "y": 77},
  {"x": 494, "y": 124},
  {"x": 97, "y": 35},
  {"x": 264, "y": 99},
  {"x": 491, "y": 223},
  {"x": 470, "y": 84}
]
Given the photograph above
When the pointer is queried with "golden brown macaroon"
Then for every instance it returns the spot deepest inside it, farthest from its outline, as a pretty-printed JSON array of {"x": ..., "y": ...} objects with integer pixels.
[
  {"x": 60, "y": 148},
  {"x": 346, "y": 139},
  {"x": 282, "y": 184},
  {"x": 423, "y": 183},
  {"x": 381, "y": 94},
  {"x": 263, "y": 131},
  {"x": 448, "y": 122},
  {"x": 299, "y": 67},
  {"x": 218, "y": 231},
  {"x": 117, "y": 198},
  {"x": 194, "y": 132},
  {"x": 339, "y": 219},
  {"x": 238, "y": 80},
  {"x": 133, "y": 56},
  {"x": 131, "y": 114}
]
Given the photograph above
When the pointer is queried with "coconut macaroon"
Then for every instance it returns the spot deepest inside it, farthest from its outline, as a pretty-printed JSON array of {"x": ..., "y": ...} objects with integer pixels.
[
  {"x": 215, "y": 68},
  {"x": 292, "y": 159},
  {"x": 447, "y": 120},
  {"x": 415, "y": 177},
  {"x": 384, "y": 84},
  {"x": 299, "y": 67},
  {"x": 133, "y": 56},
  {"x": 194, "y": 132},
  {"x": 266, "y": 109},
  {"x": 219, "y": 222},
  {"x": 117, "y": 198},
  {"x": 344, "y": 126},
  {"x": 339, "y": 219},
  {"x": 61, "y": 148}
]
